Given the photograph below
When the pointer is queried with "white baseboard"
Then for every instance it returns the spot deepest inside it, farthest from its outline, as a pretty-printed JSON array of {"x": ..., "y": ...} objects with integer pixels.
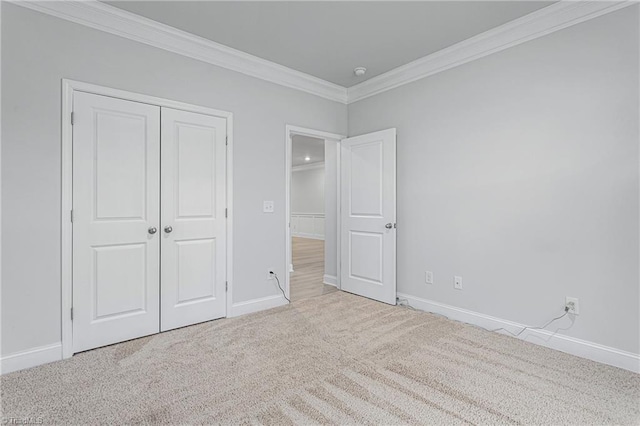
[
  {"x": 31, "y": 358},
  {"x": 330, "y": 280},
  {"x": 582, "y": 348},
  {"x": 256, "y": 305},
  {"x": 50, "y": 353},
  {"x": 310, "y": 236}
]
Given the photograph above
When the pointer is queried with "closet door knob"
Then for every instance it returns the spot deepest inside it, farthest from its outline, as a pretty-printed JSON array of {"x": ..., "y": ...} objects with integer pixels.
[
  {"x": 168, "y": 229},
  {"x": 389, "y": 225},
  {"x": 152, "y": 230}
]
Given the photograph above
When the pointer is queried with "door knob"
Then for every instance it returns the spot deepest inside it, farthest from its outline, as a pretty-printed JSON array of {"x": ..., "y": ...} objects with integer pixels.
[
  {"x": 168, "y": 229},
  {"x": 153, "y": 230},
  {"x": 389, "y": 225}
]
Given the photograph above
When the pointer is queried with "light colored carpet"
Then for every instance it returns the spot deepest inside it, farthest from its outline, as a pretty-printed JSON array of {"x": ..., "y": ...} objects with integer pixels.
[{"x": 332, "y": 359}]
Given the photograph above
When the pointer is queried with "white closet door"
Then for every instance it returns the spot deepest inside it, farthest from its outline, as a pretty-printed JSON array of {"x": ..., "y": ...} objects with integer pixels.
[
  {"x": 368, "y": 215},
  {"x": 193, "y": 218},
  {"x": 116, "y": 206}
]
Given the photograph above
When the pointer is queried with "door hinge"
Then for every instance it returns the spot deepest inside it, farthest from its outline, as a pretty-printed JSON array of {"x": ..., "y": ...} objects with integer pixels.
[
  {"x": 226, "y": 213},
  {"x": 226, "y": 285},
  {"x": 71, "y": 216},
  {"x": 71, "y": 314},
  {"x": 226, "y": 140},
  {"x": 72, "y": 118}
]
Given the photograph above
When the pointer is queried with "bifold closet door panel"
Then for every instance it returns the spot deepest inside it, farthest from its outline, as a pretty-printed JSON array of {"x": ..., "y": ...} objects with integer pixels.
[
  {"x": 193, "y": 267},
  {"x": 116, "y": 211}
]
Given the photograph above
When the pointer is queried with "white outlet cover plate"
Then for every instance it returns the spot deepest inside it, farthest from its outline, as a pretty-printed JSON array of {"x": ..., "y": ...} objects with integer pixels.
[
  {"x": 428, "y": 277},
  {"x": 457, "y": 282},
  {"x": 268, "y": 207}
]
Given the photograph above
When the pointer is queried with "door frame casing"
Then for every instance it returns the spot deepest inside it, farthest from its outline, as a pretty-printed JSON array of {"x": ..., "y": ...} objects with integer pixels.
[
  {"x": 66, "y": 205},
  {"x": 290, "y": 131}
]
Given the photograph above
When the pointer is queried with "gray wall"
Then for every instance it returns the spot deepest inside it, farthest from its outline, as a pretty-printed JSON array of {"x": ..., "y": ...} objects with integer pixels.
[
  {"x": 37, "y": 52},
  {"x": 307, "y": 190},
  {"x": 519, "y": 171},
  {"x": 330, "y": 208}
]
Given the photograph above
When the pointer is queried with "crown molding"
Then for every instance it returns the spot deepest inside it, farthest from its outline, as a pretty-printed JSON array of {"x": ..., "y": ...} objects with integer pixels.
[
  {"x": 103, "y": 17},
  {"x": 547, "y": 20},
  {"x": 110, "y": 19}
]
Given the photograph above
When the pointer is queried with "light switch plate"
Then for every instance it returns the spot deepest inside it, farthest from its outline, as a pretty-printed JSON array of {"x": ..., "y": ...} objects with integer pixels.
[{"x": 267, "y": 207}]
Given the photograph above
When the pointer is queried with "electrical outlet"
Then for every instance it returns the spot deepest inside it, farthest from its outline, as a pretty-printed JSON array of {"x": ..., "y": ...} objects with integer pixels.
[
  {"x": 428, "y": 277},
  {"x": 573, "y": 304},
  {"x": 270, "y": 276},
  {"x": 457, "y": 283},
  {"x": 268, "y": 207}
]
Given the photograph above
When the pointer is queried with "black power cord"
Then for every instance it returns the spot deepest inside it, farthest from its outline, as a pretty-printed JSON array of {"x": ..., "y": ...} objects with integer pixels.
[{"x": 278, "y": 281}]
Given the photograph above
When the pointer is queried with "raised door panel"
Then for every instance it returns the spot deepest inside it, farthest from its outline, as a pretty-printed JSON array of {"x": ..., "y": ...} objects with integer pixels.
[
  {"x": 120, "y": 166},
  {"x": 366, "y": 257},
  {"x": 195, "y": 180},
  {"x": 196, "y": 271},
  {"x": 366, "y": 179},
  {"x": 119, "y": 285}
]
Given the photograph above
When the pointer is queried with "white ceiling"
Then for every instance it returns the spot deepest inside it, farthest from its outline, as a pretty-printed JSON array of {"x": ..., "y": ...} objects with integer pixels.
[
  {"x": 329, "y": 39},
  {"x": 305, "y": 145}
]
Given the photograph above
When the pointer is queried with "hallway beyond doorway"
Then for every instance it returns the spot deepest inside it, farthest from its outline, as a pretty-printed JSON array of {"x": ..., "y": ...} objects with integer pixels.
[{"x": 308, "y": 265}]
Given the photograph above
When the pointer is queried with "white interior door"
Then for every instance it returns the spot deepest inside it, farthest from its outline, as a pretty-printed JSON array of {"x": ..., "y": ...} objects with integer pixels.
[
  {"x": 368, "y": 215},
  {"x": 193, "y": 255},
  {"x": 116, "y": 207}
]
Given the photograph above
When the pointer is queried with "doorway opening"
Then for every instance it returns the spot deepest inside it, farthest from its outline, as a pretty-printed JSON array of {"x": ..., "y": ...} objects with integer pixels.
[
  {"x": 312, "y": 213},
  {"x": 309, "y": 211}
]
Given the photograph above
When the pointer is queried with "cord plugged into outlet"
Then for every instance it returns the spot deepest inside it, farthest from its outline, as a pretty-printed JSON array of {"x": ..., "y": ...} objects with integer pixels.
[
  {"x": 572, "y": 306},
  {"x": 273, "y": 275}
]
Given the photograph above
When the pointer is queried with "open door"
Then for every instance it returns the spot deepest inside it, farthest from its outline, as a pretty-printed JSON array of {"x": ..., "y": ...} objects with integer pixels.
[{"x": 368, "y": 215}]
